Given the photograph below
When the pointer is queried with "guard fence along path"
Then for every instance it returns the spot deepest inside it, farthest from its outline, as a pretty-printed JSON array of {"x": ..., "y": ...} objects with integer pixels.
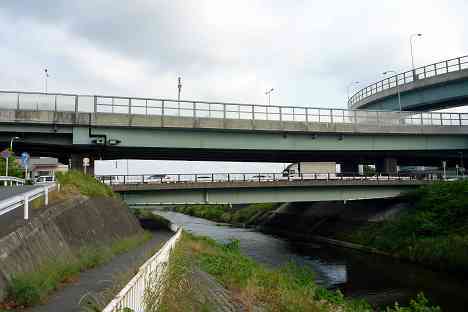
[
  {"x": 100, "y": 104},
  {"x": 148, "y": 282},
  {"x": 19, "y": 196},
  {"x": 424, "y": 72}
]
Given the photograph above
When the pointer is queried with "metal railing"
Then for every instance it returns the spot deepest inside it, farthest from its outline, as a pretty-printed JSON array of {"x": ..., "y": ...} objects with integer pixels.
[
  {"x": 97, "y": 104},
  {"x": 428, "y": 71},
  {"x": 257, "y": 177},
  {"x": 10, "y": 181},
  {"x": 23, "y": 199},
  {"x": 147, "y": 282}
]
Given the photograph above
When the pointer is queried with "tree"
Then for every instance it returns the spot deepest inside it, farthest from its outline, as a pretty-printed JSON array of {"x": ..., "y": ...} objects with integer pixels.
[{"x": 14, "y": 169}]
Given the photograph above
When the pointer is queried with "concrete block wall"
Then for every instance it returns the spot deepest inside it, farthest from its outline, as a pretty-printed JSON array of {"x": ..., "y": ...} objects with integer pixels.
[{"x": 61, "y": 231}]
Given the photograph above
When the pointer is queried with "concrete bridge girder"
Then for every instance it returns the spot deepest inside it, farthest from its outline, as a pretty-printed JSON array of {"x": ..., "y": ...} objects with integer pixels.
[{"x": 261, "y": 195}]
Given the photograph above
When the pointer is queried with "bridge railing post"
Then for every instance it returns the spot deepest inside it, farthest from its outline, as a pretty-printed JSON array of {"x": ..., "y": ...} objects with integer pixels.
[
  {"x": 124, "y": 179},
  {"x": 143, "y": 178},
  {"x": 46, "y": 196},
  {"x": 26, "y": 207},
  {"x": 229, "y": 177},
  {"x": 129, "y": 107},
  {"x": 178, "y": 178}
]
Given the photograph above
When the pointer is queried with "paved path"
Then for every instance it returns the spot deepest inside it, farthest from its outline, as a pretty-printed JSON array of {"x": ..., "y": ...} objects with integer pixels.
[
  {"x": 8, "y": 191},
  {"x": 99, "y": 279}
]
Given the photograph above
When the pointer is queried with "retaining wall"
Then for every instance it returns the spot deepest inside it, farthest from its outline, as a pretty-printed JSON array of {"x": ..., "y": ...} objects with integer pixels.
[{"x": 60, "y": 231}]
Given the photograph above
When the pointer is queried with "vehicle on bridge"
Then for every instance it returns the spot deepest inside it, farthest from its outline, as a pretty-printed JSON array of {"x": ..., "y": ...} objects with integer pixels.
[{"x": 315, "y": 170}]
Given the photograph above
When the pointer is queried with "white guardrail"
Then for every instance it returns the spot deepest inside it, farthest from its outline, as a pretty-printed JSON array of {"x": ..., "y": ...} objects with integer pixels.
[
  {"x": 151, "y": 275},
  {"x": 23, "y": 199},
  {"x": 10, "y": 181}
]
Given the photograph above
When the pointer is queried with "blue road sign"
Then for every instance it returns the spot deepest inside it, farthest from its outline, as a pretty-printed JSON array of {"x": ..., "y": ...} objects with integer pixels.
[{"x": 25, "y": 160}]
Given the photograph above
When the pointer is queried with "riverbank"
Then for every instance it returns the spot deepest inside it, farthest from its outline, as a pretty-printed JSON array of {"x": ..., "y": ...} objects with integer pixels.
[
  {"x": 242, "y": 284},
  {"x": 251, "y": 286},
  {"x": 241, "y": 215},
  {"x": 434, "y": 232}
]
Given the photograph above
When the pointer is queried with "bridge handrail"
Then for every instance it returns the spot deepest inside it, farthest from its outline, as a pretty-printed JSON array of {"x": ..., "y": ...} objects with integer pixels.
[
  {"x": 149, "y": 276},
  {"x": 23, "y": 199},
  {"x": 7, "y": 180},
  {"x": 258, "y": 177},
  {"x": 102, "y": 104},
  {"x": 419, "y": 73}
]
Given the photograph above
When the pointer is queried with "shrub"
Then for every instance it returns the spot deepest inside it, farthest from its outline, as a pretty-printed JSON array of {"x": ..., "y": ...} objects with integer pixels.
[{"x": 85, "y": 184}]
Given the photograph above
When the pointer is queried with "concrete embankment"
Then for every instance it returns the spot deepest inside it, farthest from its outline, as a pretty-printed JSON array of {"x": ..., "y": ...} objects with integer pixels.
[
  {"x": 302, "y": 221},
  {"x": 60, "y": 231}
]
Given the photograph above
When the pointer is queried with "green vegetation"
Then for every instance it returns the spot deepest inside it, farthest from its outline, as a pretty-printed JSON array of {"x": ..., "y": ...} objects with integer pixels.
[
  {"x": 33, "y": 287},
  {"x": 288, "y": 288},
  {"x": 434, "y": 232},
  {"x": 225, "y": 213},
  {"x": 76, "y": 181},
  {"x": 14, "y": 169},
  {"x": 150, "y": 220}
]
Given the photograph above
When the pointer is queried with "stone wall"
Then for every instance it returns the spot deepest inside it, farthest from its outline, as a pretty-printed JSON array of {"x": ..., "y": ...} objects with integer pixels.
[{"x": 60, "y": 231}]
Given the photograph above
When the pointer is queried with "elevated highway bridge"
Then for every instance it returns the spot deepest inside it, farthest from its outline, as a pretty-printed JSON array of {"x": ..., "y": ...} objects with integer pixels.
[
  {"x": 71, "y": 126},
  {"x": 436, "y": 86}
]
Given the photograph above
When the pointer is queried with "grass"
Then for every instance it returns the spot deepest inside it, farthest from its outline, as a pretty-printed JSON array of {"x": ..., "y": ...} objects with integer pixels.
[
  {"x": 76, "y": 182},
  {"x": 434, "y": 232},
  {"x": 288, "y": 288},
  {"x": 31, "y": 288},
  {"x": 225, "y": 213}
]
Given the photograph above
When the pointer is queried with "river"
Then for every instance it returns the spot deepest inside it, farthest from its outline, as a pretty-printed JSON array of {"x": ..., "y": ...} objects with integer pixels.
[{"x": 377, "y": 279}]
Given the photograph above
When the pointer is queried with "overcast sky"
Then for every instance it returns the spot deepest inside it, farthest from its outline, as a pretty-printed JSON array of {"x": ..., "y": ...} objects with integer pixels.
[{"x": 308, "y": 51}]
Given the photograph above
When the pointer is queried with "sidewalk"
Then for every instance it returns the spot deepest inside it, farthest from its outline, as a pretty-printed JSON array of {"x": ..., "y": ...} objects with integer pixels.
[{"x": 99, "y": 279}]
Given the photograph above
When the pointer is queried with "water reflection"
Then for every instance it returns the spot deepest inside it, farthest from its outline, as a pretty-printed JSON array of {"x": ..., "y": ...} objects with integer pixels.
[{"x": 380, "y": 280}]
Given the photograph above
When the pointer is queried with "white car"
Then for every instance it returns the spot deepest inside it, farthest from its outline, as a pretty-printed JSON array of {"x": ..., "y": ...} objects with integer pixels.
[{"x": 44, "y": 180}]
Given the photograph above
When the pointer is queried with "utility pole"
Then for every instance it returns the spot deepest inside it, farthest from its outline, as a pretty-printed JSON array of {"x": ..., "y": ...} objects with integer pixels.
[
  {"x": 179, "y": 86},
  {"x": 46, "y": 76}
]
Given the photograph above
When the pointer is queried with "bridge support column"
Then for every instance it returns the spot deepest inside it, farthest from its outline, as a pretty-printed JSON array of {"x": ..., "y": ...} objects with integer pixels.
[
  {"x": 386, "y": 166},
  {"x": 76, "y": 163},
  {"x": 349, "y": 167}
]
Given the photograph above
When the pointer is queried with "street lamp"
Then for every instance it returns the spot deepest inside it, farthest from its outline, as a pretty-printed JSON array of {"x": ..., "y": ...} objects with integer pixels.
[
  {"x": 397, "y": 85},
  {"x": 11, "y": 149},
  {"x": 412, "y": 37},
  {"x": 349, "y": 86},
  {"x": 268, "y": 93}
]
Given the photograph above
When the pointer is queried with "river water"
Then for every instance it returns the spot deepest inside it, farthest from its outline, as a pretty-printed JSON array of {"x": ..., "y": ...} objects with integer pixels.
[{"x": 378, "y": 279}]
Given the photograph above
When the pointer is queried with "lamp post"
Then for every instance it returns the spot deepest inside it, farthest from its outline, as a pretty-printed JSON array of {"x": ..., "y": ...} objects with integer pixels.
[
  {"x": 349, "y": 86},
  {"x": 268, "y": 93},
  {"x": 11, "y": 149},
  {"x": 412, "y": 37},
  {"x": 397, "y": 85}
]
